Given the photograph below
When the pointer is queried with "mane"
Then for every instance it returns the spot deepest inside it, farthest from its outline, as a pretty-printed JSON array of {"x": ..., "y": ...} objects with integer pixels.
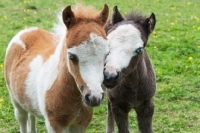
[
  {"x": 135, "y": 17},
  {"x": 80, "y": 11},
  {"x": 59, "y": 28}
]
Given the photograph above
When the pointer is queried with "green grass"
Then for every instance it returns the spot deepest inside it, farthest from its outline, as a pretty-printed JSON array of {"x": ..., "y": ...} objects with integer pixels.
[{"x": 174, "y": 48}]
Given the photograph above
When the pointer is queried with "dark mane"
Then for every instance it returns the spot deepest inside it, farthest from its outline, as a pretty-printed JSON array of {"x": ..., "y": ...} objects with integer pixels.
[
  {"x": 135, "y": 17},
  {"x": 145, "y": 24}
]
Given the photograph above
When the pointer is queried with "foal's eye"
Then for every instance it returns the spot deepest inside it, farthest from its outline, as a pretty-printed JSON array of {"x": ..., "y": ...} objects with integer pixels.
[
  {"x": 71, "y": 56},
  {"x": 139, "y": 50}
]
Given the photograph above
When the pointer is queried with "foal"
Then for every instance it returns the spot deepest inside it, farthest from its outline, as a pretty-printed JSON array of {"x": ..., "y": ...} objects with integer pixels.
[
  {"x": 128, "y": 71},
  {"x": 58, "y": 76}
]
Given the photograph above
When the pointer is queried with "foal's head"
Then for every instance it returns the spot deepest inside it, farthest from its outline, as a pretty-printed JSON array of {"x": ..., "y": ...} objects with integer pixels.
[
  {"x": 128, "y": 38},
  {"x": 87, "y": 47}
]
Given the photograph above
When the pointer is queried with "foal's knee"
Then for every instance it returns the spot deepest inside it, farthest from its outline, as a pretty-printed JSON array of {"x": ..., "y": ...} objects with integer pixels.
[
  {"x": 146, "y": 110},
  {"x": 21, "y": 115}
]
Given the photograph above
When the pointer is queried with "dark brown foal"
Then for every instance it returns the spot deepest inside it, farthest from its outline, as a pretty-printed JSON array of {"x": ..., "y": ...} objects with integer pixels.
[{"x": 128, "y": 73}]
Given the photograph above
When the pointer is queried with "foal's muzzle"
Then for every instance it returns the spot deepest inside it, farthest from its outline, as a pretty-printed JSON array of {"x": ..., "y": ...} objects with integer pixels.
[
  {"x": 111, "y": 78},
  {"x": 92, "y": 99}
]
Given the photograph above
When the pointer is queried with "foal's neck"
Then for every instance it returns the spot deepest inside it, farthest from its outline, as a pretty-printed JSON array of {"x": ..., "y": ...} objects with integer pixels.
[
  {"x": 139, "y": 71},
  {"x": 64, "y": 75},
  {"x": 65, "y": 84}
]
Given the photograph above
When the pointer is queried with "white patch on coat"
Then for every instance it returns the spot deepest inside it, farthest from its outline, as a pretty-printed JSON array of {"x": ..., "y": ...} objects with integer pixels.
[
  {"x": 123, "y": 43},
  {"x": 16, "y": 39},
  {"x": 40, "y": 79},
  {"x": 91, "y": 55}
]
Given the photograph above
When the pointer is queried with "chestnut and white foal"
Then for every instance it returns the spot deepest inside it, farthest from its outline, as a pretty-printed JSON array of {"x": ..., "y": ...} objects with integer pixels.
[{"x": 58, "y": 76}]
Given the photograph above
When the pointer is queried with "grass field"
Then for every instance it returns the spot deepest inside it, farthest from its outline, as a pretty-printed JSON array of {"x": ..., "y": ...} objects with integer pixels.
[{"x": 174, "y": 48}]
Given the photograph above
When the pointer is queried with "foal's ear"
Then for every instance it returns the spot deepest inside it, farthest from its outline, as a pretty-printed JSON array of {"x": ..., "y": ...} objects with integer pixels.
[
  {"x": 68, "y": 17},
  {"x": 151, "y": 22},
  {"x": 103, "y": 16},
  {"x": 116, "y": 16}
]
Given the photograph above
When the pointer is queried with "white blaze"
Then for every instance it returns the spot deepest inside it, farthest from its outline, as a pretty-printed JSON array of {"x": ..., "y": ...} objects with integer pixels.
[
  {"x": 91, "y": 55},
  {"x": 123, "y": 42}
]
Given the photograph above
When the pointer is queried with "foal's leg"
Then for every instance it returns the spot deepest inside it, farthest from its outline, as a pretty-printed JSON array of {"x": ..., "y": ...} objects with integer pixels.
[
  {"x": 62, "y": 124},
  {"x": 76, "y": 129},
  {"x": 144, "y": 116},
  {"x": 121, "y": 117},
  {"x": 48, "y": 127},
  {"x": 31, "y": 124},
  {"x": 110, "y": 120},
  {"x": 21, "y": 116}
]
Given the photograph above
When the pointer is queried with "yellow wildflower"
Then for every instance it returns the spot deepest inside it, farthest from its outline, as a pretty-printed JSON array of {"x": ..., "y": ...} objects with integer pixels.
[
  {"x": 172, "y": 23},
  {"x": 1, "y": 65},
  {"x": 190, "y": 58},
  {"x": 198, "y": 46},
  {"x": 173, "y": 7},
  {"x": 196, "y": 18},
  {"x": 198, "y": 28},
  {"x": 172, "y": 37},
  {"x": 25, "y": 18},
  {"x": 155, "y": 47},
  {"x": 1, "y": 100},
  {"x": 155, "y": 36},
  {"x": 188, "y": 3},
  {"x": 186, "y": 66}
]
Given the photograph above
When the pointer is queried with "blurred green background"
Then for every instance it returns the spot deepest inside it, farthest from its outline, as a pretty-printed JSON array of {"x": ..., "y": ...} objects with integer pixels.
[{"x": 174, "y": 48}]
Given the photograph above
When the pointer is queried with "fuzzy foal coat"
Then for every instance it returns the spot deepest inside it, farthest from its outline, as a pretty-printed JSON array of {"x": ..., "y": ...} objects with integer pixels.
[
  {"x": 39, "y": 78},
  {"x": 136, "y": 84}
]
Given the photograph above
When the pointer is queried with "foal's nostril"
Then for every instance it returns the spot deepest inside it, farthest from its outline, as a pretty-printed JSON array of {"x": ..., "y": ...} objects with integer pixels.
[
  {"x": 93, "y": 100},
  {"x": 116, "y": 76},
  {"x": 87, "y": 98},
  {"x": 111, "y": 76}
]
